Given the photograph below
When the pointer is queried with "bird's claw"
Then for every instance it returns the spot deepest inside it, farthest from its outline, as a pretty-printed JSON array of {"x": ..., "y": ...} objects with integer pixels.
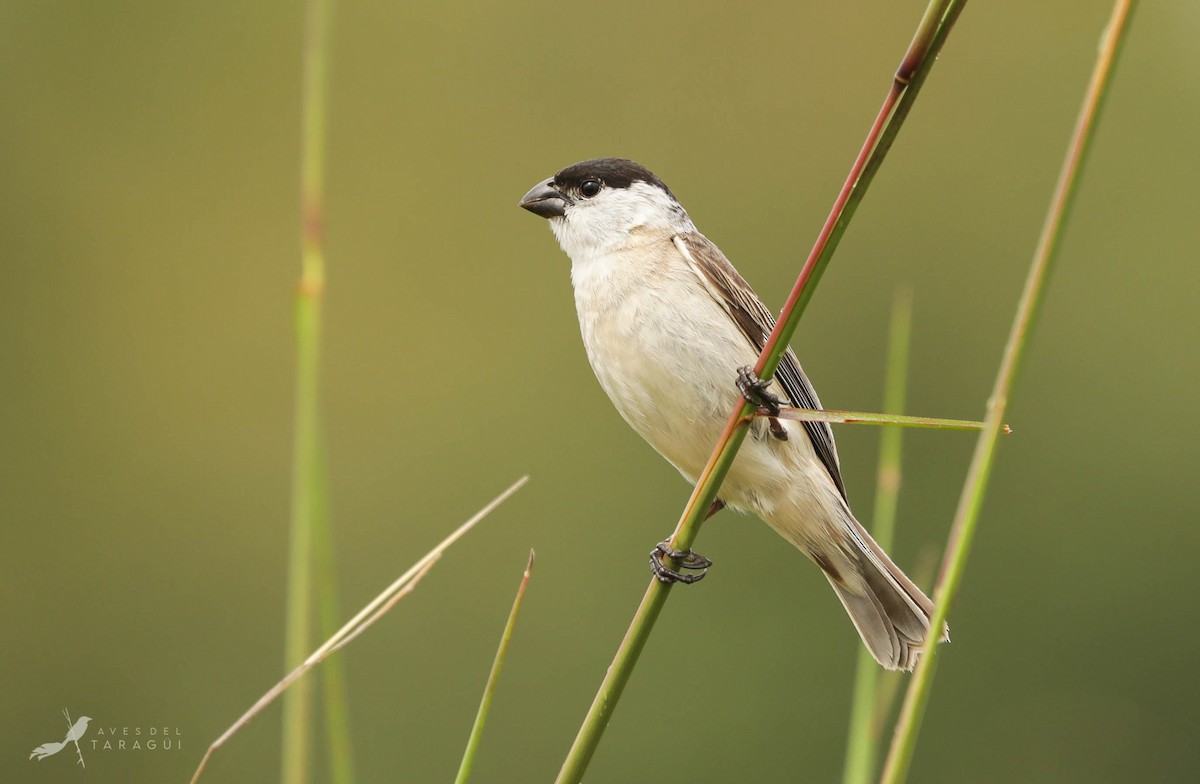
[
  {"x": 686, "y": 560},
  {"x": 754, "y": 389}
]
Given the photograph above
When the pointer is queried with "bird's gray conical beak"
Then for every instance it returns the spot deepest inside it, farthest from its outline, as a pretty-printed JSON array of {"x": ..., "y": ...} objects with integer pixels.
[{"x": 544, "y": 200}]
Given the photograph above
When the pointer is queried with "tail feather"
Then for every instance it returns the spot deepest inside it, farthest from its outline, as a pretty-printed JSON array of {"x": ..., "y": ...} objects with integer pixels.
[{"x": 891, "y": 613}]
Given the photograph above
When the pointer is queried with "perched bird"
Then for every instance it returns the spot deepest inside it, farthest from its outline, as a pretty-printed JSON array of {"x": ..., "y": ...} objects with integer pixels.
[
  {"x": 667, "y": 323},
  {"x": 74, "y": 734}
]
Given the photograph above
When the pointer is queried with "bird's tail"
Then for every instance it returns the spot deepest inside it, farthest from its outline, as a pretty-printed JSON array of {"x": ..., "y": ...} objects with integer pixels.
[
  {"x": 47, "y": 750},
  {"x": 891, "y": 613}
]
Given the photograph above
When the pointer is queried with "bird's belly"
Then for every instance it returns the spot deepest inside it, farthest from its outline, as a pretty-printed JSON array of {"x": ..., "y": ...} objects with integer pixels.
[{"x": 672, "y": 378}]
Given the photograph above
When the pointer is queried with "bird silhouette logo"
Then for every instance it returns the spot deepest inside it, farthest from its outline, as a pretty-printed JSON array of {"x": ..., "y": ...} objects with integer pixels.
[{"x": 75, "y": 731}]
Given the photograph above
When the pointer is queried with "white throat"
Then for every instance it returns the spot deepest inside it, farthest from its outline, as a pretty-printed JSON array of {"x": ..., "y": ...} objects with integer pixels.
[{"x": 618, "y": 219}]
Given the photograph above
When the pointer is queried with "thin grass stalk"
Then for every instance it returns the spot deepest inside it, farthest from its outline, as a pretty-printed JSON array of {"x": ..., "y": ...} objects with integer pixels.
[
  {"x": 297, "y": 707},
  {"x": 836, "y": 417},
  {"x": 862, "y": 746},
  {"x": 335, "y": 700},
  {"x": 306, "y": 466},
  {"x": 906, "y": 84},
  {"x": 971, "y": 501},
  {"x": 489, "y": 689}
]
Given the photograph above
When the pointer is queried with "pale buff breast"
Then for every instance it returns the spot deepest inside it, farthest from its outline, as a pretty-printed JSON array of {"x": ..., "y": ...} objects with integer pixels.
[{"x": 668, "y": 363}]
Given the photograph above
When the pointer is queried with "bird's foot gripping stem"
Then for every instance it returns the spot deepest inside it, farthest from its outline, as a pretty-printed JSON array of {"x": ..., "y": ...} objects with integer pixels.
[
  {"x": 686, "y": 560},
  {"x": 754, "y": 389}
]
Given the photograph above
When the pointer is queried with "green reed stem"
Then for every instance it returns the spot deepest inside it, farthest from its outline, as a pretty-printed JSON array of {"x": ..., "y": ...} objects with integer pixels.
[
  {"x": 862, "y": 747},
  {"x": 489, "y": 690},
  {"x": 971, "y": 501},
  {"x": 903, "y": 91},
  {"x": 307, "y": 477}
]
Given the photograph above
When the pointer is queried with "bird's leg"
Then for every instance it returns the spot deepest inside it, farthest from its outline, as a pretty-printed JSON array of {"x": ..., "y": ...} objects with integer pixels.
[
  {"x": 754, "y": 389},
  {"x": 717, "y": 505}
]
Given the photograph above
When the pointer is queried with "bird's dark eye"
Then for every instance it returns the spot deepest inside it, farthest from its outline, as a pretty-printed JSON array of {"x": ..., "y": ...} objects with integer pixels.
[{"x": 590, "y": 188}]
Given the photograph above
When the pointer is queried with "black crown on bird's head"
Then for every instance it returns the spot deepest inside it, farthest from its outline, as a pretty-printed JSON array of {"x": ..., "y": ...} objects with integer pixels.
[{"x": 612, "y": 172}]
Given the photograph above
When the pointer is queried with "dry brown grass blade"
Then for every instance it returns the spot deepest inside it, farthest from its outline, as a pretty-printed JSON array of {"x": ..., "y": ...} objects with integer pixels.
[{"x": 368, "y": 615}]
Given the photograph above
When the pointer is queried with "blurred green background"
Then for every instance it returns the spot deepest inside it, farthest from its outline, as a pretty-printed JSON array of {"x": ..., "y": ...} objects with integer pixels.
[{"x": 149, "y": 241}]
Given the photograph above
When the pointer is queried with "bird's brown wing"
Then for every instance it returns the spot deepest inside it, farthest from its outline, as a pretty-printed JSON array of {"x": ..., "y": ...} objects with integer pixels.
[{"x": 734, "y": 294}]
